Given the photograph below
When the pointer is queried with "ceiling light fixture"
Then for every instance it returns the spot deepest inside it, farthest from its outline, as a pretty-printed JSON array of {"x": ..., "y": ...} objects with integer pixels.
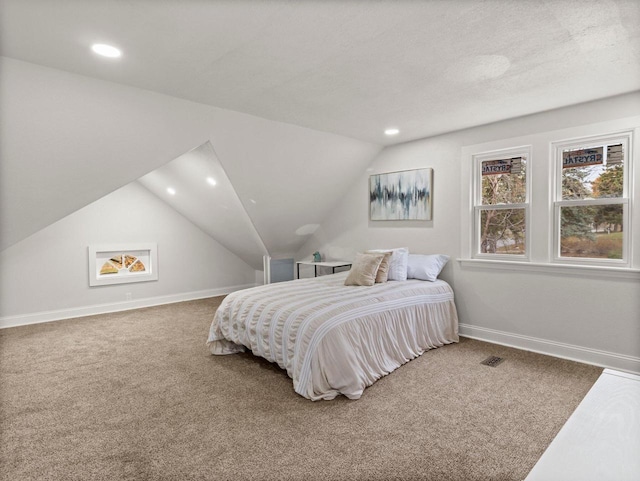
[
  {"x": 392, "y": 132},
  {"x": 211, "y": 181},
  {"x": 171, "y": 190},
  {"x": 106, "y": 50}
]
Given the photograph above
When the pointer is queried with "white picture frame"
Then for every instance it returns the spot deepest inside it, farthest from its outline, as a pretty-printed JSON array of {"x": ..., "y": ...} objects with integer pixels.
[{"x": 122, "y": 263}]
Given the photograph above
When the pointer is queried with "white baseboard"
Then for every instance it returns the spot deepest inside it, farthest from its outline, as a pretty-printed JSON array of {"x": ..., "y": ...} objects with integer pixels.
[
  {"x": 58, "y": 315},
  {"x": 586, "y": 355}
]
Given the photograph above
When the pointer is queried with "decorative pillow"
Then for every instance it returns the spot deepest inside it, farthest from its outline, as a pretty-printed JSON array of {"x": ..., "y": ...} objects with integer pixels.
[
  {"x": 383, "y": 271},
  {"x": 364, "y": 269},
  {"x": 425, "y": 267},
  {"x": 397, "y": 263}
]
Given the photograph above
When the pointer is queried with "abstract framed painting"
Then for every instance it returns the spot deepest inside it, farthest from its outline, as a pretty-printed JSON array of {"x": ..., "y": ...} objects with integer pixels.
[{"x": 404, "y": 195}]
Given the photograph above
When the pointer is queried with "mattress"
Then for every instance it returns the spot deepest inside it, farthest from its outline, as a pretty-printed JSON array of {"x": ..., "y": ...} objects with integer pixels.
[{"x": 334, "y": 339}]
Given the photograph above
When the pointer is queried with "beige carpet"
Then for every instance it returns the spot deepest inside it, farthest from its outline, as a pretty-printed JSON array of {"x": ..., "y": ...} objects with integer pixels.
[{"x": 136, "y": 395}]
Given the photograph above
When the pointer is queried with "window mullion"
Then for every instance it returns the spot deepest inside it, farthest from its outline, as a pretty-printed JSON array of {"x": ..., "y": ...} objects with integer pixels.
[
  {"x": 501, "y": 206},
  {"x": 586, "y": 202}
]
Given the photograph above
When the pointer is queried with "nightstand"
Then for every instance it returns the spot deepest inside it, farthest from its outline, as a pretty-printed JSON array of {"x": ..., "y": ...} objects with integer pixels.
[{"x": 334, "y": 265}]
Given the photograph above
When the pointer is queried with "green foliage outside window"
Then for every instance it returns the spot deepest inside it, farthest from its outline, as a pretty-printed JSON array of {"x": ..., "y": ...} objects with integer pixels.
[{"x": 589, "y": 231}]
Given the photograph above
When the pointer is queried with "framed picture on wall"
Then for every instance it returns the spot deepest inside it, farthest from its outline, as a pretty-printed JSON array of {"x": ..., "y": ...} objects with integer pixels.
[
  {"x": 403, "y": 195},
  {"x": 122, "y": 263}
]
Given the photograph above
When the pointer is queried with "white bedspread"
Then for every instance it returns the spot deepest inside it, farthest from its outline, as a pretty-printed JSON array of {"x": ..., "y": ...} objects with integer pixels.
[{"x": 335, "y": 339}]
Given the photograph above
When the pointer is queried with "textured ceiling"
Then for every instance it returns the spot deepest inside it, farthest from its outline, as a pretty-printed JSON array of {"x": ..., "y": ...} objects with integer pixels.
[{"x": 350, "y": 67}]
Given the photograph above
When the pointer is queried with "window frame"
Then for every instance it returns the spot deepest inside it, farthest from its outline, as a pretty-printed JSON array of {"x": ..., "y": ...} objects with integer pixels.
[
  {"x": 557, "y": 202},
  {"x": 478, "y": 207}
]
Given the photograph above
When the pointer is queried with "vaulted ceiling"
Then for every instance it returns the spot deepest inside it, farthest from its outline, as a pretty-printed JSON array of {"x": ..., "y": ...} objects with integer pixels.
[{"x": 292, "y": 96}]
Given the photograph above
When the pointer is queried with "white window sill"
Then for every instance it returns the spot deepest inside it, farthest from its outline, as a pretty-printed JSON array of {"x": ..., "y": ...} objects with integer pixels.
[{"x": 558, "y": 269}]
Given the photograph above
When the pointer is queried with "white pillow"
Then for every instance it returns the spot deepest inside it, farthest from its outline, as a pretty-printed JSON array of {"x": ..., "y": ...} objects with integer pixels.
[
  {"x": 425, "y": 267},
  {"x": 397, "y": 263}
]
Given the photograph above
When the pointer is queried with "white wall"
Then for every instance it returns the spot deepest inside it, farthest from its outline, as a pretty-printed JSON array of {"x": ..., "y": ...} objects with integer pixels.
[
  {"x": 45, "y": 276},
  {"x": 585, "y": 316},
  {"x": 68, "y": 140}
]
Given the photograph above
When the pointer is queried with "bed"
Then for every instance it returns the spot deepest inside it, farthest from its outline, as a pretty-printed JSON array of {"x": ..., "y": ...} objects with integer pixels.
[{"x": 334, "y": 339}]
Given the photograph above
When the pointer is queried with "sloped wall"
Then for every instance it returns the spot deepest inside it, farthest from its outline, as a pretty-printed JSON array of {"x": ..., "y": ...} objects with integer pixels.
[
  {"x": 45, "y": 276},
  {"x": 68, "y": 140}
]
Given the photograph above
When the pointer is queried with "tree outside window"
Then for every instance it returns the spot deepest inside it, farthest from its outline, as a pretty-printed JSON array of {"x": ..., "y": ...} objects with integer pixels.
[{"x": 502, "y": 203}]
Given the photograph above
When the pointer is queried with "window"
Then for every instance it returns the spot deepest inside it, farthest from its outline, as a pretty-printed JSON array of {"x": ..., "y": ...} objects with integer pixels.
[
  {"x": 501, "y": 204},
  {"x": 591, "y": 205}
]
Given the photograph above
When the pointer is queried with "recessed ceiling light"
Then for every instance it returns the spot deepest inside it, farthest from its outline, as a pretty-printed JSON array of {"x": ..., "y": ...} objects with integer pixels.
[
  {"x": 211, "y": 181},
  {"x": 106, "y": 50},
  {"x": 391, "y": 132},
  {"x": 171, "y": 190}
]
